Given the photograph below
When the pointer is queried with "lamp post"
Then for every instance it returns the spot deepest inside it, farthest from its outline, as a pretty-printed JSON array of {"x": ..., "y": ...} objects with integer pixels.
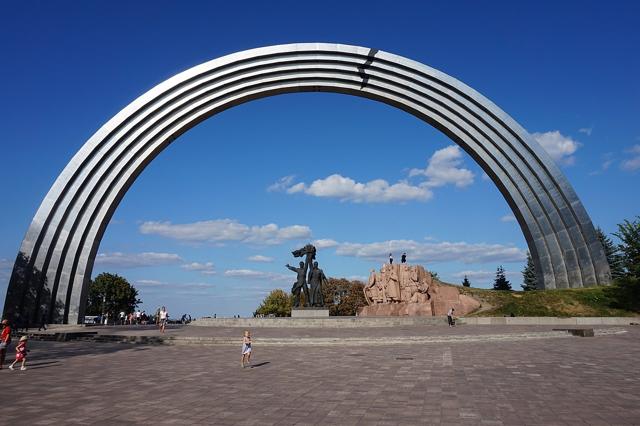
[{"x": 104, "y": 302}]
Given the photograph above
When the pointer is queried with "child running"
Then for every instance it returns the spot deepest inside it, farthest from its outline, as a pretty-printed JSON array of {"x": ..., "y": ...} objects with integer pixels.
[
  {"x": 246, "y": 349},
  {"x": 21, "y": 353}
]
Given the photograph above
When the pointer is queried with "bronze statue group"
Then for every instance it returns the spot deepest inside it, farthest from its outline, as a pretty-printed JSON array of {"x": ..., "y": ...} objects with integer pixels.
[{"x": 308, "y": 272}]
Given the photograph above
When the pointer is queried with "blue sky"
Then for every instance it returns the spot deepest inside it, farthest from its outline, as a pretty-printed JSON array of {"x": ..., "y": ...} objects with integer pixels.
[{"x": 209, "y": 225}]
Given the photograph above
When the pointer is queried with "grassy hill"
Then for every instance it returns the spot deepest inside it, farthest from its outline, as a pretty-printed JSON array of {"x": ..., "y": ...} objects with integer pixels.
[{"x": 583, "y": 302}]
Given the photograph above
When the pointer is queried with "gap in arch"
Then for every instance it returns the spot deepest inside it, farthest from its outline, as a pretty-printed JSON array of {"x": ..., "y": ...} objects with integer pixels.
[{"x": 221, "y": 169}]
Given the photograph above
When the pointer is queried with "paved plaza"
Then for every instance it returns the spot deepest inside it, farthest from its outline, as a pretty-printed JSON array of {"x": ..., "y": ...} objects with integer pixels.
[{"x": 474, "y": 380}]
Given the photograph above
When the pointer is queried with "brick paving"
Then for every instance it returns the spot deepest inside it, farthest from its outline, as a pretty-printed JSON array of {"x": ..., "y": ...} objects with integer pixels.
[
  {"x": 554, "y": 381},
  {"x": 317, "y": 332}
]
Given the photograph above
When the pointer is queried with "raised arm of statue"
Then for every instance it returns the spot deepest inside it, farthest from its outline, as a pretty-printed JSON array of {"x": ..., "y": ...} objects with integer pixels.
[{"x": 291, "y": 267}]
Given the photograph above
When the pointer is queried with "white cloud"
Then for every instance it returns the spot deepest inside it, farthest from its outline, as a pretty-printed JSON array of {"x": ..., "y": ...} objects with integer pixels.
[
  {"x": 632, "y": 164},
  {"x": 586, "y": 130},
  {"x": 282, "y": 184},
  {"x": 508, "y": 218},
  {"x": 443, "y": 169},
  {"x": 607, "y": 161},
  {"x": 434, "y": 252},
  {"x": 375, "y": 191},
  {"x": 149, "y": 285},
  {"x": 559, "y": 147},
  {"x": 5, "y": 269},
  {"x": 260, "y": 258},
  {"x": 136, "y": 260},
  {"x": 222, "y": 230},
  {"x": 259, "y": 275},
  {"x": 203, "y": 268},
  {"x": 324, "y": 243}
]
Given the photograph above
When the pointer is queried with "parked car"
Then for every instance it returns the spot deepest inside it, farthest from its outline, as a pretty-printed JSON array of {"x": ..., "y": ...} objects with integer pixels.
[{"x": 92, "y": 319}]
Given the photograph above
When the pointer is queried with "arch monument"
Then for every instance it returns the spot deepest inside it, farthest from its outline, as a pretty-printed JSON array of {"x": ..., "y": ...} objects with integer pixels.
[{"x": 54, "y": 265}]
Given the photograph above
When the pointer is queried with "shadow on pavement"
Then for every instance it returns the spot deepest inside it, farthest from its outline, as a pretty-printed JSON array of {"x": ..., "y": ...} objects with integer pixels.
[
  {"x": 260, "y": 364},
  {"x": 46, "y": 364},
  {"x": 49, "y": 353}
]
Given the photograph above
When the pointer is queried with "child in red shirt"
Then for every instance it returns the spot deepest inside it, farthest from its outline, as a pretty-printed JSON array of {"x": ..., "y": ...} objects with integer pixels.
[
  {"x": 5, "y": 339},
  {"x": 21, "y": 353}
]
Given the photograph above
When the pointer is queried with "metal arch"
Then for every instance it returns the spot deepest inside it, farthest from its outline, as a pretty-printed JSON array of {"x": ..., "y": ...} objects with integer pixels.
[{"x": 57, "y": 254}]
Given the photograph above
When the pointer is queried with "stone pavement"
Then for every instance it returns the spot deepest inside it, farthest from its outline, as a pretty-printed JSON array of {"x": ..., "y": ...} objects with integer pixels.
[
  {"x": 315, "y": 332},
  {"x": 552, "y": 381}
]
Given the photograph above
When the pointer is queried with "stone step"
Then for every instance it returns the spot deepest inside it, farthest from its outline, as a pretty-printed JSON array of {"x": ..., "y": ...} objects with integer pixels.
[{"x": 319, "y": 341}]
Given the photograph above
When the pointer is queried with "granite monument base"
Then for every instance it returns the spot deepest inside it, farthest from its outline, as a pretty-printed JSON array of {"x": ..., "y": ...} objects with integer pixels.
[{"x": 309, "y": 312}]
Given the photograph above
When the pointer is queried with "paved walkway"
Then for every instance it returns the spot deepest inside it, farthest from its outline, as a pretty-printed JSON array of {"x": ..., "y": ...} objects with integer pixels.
[
  {"x": 568, "y": 381},
  {"x": 317, "y": 332}
]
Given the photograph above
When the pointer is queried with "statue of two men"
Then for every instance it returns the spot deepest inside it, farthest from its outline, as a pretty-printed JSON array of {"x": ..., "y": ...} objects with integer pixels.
[{"x": 315, "y": 278}]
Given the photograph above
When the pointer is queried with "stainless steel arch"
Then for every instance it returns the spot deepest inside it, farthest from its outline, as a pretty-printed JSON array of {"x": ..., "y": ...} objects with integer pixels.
[{"x": 56, "y": 258}]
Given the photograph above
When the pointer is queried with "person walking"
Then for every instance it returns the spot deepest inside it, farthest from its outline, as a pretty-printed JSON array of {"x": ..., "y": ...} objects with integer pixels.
[
  {"x": 164, "y": 316},
  {"x": 5, "y": 339},
  {"x": 43, "y": 322},
  {"x": 21, "y": 353},
  {"x": 390, "y": 258},
  {"x": 450, "y": 317},
  {"x": 246, "y": 349}
]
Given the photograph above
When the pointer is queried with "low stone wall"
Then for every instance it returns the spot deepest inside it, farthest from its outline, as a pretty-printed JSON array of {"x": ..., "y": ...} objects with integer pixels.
[
  {"x": 549, "y": 321},
  {"x": 350, "y": 322},
  {"x": 331, "y": 322}
]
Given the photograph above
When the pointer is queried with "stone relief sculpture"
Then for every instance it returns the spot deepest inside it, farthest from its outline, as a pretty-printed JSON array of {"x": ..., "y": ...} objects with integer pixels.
[{"x": 404, "y": 289}]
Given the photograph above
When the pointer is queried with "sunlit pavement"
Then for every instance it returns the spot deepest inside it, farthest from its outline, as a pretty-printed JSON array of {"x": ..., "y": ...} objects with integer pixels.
[{"x": 541, "y": 381}]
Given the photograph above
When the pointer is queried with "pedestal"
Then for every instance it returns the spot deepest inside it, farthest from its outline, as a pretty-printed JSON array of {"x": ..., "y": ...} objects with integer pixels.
[{"x": 309, "y": 312}]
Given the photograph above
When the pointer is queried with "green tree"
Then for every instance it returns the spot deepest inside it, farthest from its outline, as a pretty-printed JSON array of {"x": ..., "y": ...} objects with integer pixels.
[
  {"x": 343, "y": 297},
  {"x": 529, "y": 279},
  {"x": 629, "y": 236},
  {"x": 501, "y": 282},
  {"x": 612, "y": 252},
  {"x": 277, "y": 303},
  {"x": 626, "y": 289},
  {"x": 110, "y": 294},
  {"x": 466, "y": 282}
]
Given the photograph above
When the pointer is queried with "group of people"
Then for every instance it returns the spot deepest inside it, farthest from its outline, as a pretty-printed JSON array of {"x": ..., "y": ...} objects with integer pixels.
[
  {"x": 403, "y": 258},
  {"x": 141, "y": 318},
  {"x": 138, "y": 317},
  {"x": 21, "y": 347}
]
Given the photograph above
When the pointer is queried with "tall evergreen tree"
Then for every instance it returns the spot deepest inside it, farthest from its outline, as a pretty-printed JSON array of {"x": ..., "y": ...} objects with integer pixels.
[
  {"x": 529, "y": 279},
  {"x": 629, "y": 235},
  {"x": 613, "y": 254},
  {"x": 466, "y": 282},
  {"x": 501, "y": 282}
]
